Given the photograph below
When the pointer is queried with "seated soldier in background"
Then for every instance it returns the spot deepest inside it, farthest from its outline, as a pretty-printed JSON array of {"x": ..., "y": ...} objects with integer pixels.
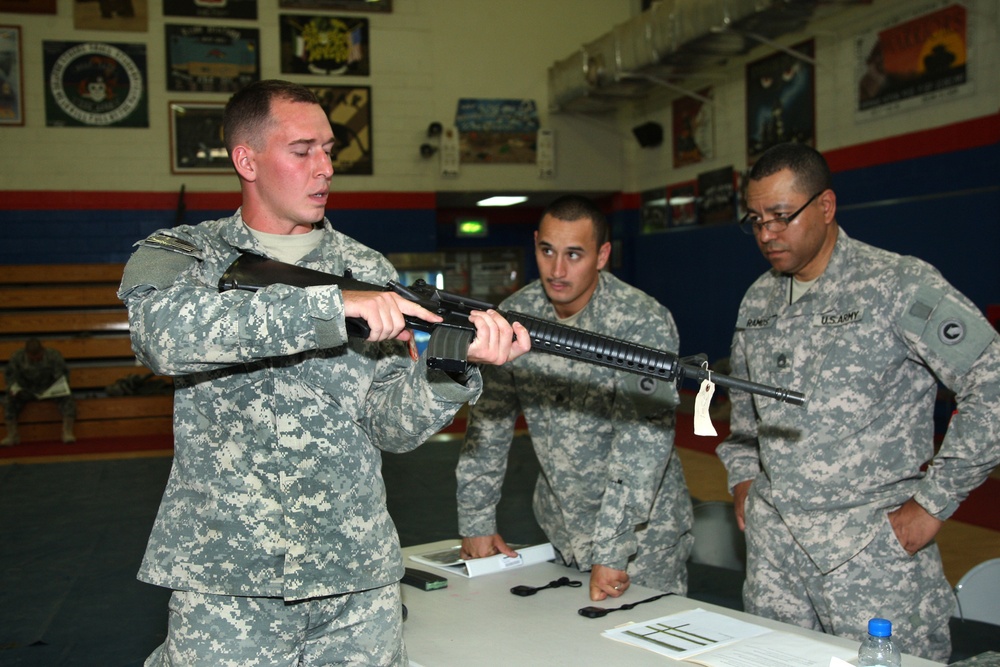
[{"x": 32, "y": 374}]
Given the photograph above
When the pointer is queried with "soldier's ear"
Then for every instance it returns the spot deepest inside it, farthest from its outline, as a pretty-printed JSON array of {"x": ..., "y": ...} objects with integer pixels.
[
  {"x": 603, "y": 255},
  {"x": 243, "y": 161}
]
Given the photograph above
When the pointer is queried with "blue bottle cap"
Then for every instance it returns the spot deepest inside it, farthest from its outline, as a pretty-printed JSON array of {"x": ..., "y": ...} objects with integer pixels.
[{"x": 879, "y": 627}]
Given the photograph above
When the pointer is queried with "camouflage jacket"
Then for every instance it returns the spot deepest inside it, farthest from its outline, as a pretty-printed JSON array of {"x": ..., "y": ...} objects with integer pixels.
[
  {"x": 867, "y": 344},
  {"x": 35, "y": 378},
  {"x": 604, "y": 438},
  {"x": 276, "y": 486}
]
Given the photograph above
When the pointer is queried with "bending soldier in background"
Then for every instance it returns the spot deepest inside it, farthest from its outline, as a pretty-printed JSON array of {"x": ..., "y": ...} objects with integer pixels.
[
  {"x": 273, "y": 530},
  {"x": 611, "y": 495},
  {"x": 32, "y": 374},
  {"x": 839, "y": 511}
]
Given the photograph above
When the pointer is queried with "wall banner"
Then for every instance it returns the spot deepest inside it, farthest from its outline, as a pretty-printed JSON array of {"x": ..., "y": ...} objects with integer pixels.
[
  {"x": 94, "y": 84},
  {"x": 497, "y": 130},
  {"x": 910, "y": 62}
]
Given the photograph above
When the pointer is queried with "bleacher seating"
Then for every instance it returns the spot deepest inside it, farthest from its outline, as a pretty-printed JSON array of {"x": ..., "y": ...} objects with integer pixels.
[{"x": 74, "y": 309}]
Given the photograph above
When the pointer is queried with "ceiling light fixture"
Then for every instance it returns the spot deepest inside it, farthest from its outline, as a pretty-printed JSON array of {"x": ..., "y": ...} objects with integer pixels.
[{"x": 501, "y": 201}]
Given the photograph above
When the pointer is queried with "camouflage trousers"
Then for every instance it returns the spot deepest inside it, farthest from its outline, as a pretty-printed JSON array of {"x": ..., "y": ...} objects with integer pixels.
[
  {"x": 363, "y": 628},
  {"x": 661, "y": 568},
  {"x": 14, "y": 403},
  {"x": 881, "y": 581}
]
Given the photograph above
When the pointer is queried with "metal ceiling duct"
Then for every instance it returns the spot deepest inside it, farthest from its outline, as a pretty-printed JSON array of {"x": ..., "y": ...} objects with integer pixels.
[{"x": 671, "y": 39}]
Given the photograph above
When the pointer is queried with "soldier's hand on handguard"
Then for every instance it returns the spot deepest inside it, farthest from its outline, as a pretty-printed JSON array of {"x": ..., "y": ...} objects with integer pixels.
[
  {"x": 497, "y": 340},
  {"x": 384, "y": 313}
]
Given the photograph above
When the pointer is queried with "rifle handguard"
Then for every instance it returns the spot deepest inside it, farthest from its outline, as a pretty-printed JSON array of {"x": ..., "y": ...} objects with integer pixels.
[{"x": 449, "y": 345}]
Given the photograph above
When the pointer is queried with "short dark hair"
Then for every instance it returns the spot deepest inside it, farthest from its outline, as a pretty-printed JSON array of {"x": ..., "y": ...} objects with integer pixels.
[
  {"x": 248, "y": 112},
  {"x": 812, "y": 173},
  {"x": 571, "y": 208}
]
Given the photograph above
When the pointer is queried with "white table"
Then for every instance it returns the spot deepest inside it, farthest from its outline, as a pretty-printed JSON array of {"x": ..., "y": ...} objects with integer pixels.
[{"x": 479, "y": 622}]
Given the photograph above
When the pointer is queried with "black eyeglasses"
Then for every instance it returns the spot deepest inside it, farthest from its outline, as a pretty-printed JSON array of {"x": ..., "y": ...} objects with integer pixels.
[{"x": 751, "y": 224}]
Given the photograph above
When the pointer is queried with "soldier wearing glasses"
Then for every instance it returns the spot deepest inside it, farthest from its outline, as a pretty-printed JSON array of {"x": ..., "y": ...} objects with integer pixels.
[{"x": 839, "y": 508}]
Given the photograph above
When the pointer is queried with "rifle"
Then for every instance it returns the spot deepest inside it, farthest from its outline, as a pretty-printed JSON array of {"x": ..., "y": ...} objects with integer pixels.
[{"x": 450, "y": 339}]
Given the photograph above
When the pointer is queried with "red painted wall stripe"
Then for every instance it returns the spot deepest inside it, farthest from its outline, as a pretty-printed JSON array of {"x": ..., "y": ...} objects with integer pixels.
[{"x": 926, "y": 143}]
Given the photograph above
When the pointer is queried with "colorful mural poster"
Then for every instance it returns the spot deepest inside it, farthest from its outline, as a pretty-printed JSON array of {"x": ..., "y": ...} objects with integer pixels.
[
  {"x": 28, "y": 6},
  {"x": 95, "y": 84},
  {"x": 692, "y": 128},
  {"x": 324, "y": 45},
  {"x": 338, "y": 5},
  {"x": 781, "y": 100},
  {"x": 912, "y": 62},
  {"x": 211, "y": 58},
  {"x": 11, "y": 69},
  {"x": 682, "y": 204},
  {"x": 130, "y": 15},
  {"x": 349, "y": 109},
  {"x": 211, "y": 9},
  {"x": 717, "y": 196},
  {"x": 497, "y": 130}
]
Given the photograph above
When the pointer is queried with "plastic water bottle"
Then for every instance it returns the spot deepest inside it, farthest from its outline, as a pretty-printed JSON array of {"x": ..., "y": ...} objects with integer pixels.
[{"x": 878, "y": 650}]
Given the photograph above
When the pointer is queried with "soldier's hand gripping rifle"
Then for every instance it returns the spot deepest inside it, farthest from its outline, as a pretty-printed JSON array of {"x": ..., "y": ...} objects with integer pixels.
[{"x": 450, "y": 339}]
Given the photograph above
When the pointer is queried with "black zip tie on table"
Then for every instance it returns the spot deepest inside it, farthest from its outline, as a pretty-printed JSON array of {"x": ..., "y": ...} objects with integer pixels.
[
  {"x": 525, "y": 591},
  {"x": 598, "y": 612}
]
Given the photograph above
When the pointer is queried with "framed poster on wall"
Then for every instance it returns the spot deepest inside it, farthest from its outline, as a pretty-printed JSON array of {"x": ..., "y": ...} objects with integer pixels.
[
  {"x": 130, "y": 15},
  {"x": 211, "y": 9},
  {"x": 28, "y": 6},
  {"x": 693, "y": 128},
  {"x": 349, "y": 109},
  {"x": 324, "y": 45},
  {"x": 11, "y": 76},
  {"x": 196, "y": 143},
  {"x": 682, "y": 204},
  {"x": 909, "y": 63},
  {"x": 781, "y": 100},
  {"x": 95, "y": 84},
  {"x": 215, "y": 59},
  {"x": 335, "y": 5}
]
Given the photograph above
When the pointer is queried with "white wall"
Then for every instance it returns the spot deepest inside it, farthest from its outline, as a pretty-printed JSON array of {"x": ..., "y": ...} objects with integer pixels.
[
  {"x": 836, "y": 84},
  {"x": 426, "y": 55}
]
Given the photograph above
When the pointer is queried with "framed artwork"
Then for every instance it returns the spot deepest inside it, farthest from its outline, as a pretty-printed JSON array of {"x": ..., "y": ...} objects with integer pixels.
[
  {"x": 494, "y": 131},
  {"x": 11, "y": 76},
  {"x": 692, "y": 125},
  {"x": 339, "y": 5},
  {"x": 654, "y": 210},
  {"x": 212, "y": 59},
  {"x": 28, "y": 6},
  {"x": 95, "y": 84},
  {"x": 717, "y": 196},
  {"x": 781, "y": 100},
  {"x": 196, "y": 144},
  {"x": 907, "y": 64},
  {"x": 349, "y": 109},
  {"x": 211, "y": 9},
  {"x": 324, "y": 45},
  {"x": 130, "y": 15},
  {"x": 682, "y": 204}
]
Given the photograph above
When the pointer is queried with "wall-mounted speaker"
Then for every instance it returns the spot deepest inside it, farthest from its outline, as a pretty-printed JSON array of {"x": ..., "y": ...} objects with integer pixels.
[{"x": 649, "y": 135}]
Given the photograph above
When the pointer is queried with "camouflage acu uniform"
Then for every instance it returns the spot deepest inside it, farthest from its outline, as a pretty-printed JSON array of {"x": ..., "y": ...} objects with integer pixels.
[
  {"x": 34, "y": 378},
  {"x": 867, "y": 344},
  {"x": 611, "y": 490},
  {"x": 276, "y": 487}
]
